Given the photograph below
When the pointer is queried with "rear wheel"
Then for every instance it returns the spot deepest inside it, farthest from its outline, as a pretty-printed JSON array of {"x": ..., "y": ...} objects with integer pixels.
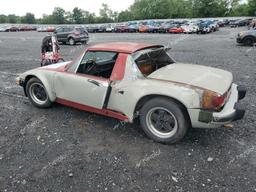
[
  {"x": 37, "y": 93},
  {"x": 163, "y": 120},
  {"x": 71, "y": 41}
]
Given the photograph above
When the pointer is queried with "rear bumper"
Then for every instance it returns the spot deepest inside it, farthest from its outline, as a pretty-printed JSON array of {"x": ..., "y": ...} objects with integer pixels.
[
  {"x": 232, "y": 111},
  {"x": 81, "y": 38}
]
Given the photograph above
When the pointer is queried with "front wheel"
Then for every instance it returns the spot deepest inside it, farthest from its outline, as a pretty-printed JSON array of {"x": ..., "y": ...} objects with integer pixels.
[
  {"x": 37, "y": 93},
  {"x": 163, "y": 120},
  {"x": 248, "y": 41}
]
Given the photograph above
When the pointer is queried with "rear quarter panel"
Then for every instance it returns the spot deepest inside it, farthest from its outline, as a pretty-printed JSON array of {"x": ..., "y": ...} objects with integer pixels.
[{"x": 126, "y": 93}]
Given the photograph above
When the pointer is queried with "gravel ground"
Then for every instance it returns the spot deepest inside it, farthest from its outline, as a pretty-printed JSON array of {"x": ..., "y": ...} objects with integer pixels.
[{"x": 64, "y": 149}]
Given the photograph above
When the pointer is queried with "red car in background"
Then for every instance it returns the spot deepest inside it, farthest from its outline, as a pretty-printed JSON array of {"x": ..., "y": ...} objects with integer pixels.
[
  {"x": 27, "y": 28},
  {"x": 50, "y": 29},
  {"x": 143, "y": 28},
  {"x": 176, "y": 29}
]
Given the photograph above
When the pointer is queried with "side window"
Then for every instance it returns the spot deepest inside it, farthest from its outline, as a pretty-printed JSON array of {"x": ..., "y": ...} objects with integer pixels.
[
  {"x": 98, "y": 63},
  {"x": 66, "y": 30},
  {"x": 59, "y": 30}
]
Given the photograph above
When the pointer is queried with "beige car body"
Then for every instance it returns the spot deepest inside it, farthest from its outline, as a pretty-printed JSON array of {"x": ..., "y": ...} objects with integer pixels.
[{"x": 184, "y": 83}]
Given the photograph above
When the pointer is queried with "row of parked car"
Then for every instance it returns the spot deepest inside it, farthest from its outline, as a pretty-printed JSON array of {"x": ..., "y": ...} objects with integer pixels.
[
  {"x": 13, "y": 28},
  {"x": 199, "y": 26},
  {"x": 148, "y": 26},
  {"x": 171, "y": 26}
]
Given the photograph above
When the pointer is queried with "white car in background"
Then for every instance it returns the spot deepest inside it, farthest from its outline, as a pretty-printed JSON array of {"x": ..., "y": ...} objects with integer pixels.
[
  {"x": 42, "y": 29},
  {"x": 190, "y": 28},
  {"x": 3, "y": 29},
  {"x": 110, "y": 28}
]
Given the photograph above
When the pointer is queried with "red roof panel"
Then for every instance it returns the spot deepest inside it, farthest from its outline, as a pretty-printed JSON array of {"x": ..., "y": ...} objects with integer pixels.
[{"x": 122, "y": 47}]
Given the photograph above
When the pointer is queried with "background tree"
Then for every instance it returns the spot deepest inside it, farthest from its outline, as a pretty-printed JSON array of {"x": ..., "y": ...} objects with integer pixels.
[
  {"x": 29, "y": 18},
  {"x": 58, "y": 15},
  {"x": 106, "y": 14},
  {"x": 3, "y": 19},
  {"x": 252, "y": 7},
  {"x": 125, "y": 16},
  {"x": 77, "y": 15},
  {"x": 13, "y": 18}
]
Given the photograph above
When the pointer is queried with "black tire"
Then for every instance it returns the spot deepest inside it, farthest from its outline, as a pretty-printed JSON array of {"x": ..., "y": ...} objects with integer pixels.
[
  {"x": 41, "y": 101},
  {"x": 71, "y": 41},
  {"x": 177, "y": 123},
  {"x": 248, "y": 41}
]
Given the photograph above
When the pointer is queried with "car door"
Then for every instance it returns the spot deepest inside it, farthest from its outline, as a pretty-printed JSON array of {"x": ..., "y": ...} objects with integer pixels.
[
  {"x": 59, "y": 33},
  {"x": 67, "y": 32},
  {"x": 81, "y": 88}
]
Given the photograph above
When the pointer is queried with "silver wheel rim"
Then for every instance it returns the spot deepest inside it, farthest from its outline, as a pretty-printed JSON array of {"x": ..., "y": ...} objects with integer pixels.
[
  {"x": 71, "y": 41},
  {"x": 38, "y": 93},
  {"x": 161, "y": 122}
]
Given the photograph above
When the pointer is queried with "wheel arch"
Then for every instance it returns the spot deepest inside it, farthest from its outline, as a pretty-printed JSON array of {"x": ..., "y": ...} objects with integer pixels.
[
  {"x": 250, "y": 37},
  {"x": 70, "y": 37},
  {"x": 27, "y": 78},
  {"x": 44, "y": 81},
  {"x": 146, "y": 98}
]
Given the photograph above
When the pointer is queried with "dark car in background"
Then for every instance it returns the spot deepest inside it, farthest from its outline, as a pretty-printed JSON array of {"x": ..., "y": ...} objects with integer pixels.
[
  {"x": 133, "y": 27},
  {"x": 247, "y": 37},
  {"x": 72, "y": 35},
  {"x": 204, "y": 27},
  {"x": 121, "y": 28},
  {"x": 239, "y": 23},
  {"x": 154, "y": 27},
  {"x": 11, "y": 29},
  {"x": 92, "y": 29},
  {"x": 101, "y": 29}
]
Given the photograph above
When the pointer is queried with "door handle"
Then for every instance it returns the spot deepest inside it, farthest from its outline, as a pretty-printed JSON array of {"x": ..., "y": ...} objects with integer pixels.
[{"x": 94, "y": 82}]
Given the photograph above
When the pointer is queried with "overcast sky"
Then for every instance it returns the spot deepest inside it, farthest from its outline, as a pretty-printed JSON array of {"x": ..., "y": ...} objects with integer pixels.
[{"x": 40, "y": 7}]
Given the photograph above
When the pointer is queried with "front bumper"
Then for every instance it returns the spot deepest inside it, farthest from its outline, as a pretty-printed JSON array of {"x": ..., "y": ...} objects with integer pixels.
[
  {"x": 239, "y": 40},
  {"x": 19, "y": 81},
  {"x": 232, "y": 111}
]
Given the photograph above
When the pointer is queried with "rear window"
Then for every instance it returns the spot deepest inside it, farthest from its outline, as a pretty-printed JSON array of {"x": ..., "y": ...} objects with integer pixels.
[
  {"x": 67, "y": 29},
  {"x": 82, "y": 30},
  {"x": 150, "y": 60}
]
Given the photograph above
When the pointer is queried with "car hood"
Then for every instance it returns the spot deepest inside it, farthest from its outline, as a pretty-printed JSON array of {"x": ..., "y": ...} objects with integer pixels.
[
  {"x": 209, "y": 78},
  {"x": 54, "y": 67},
  {"x": 57, "y": 65}
]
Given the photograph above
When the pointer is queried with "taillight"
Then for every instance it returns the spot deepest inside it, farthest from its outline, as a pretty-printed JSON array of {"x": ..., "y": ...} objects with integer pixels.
[
  {"x": 212, "y": 100},
  {"x": 218, "y": 101},
  {"x": 77, "y": 33}
]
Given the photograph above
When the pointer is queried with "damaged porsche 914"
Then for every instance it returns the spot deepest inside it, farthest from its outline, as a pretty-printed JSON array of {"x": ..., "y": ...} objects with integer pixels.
[{"x": 136, "y": 80}]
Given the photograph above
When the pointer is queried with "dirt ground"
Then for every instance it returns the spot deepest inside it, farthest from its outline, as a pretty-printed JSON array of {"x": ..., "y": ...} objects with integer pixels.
[{"x": 63, "y": 149}]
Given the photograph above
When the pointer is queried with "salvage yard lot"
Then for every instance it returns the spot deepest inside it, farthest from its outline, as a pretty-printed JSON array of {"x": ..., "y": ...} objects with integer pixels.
[{"x": 64, "y": 149}]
